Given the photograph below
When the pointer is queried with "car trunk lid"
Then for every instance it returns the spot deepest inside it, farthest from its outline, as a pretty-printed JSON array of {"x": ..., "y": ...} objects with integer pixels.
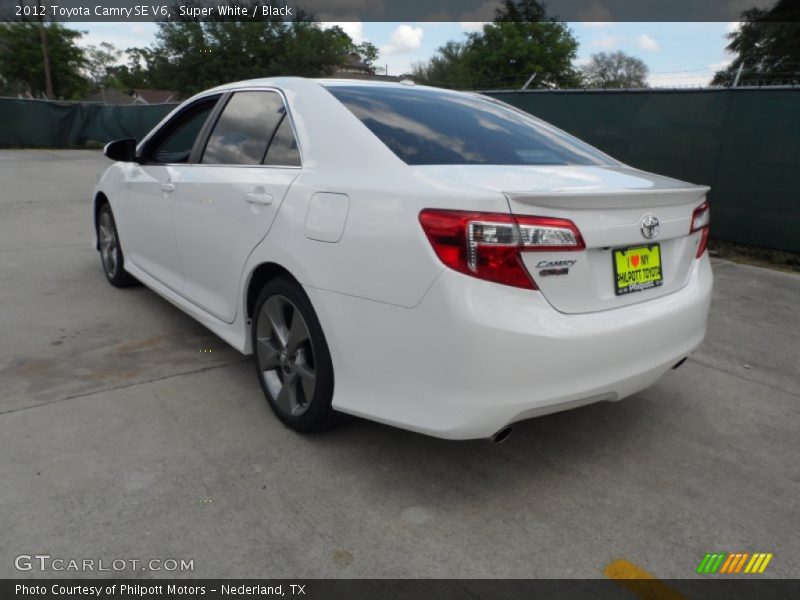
[{"x": 610, "y": 207}]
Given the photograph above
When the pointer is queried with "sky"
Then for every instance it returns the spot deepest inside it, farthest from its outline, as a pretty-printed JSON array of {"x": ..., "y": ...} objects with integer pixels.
[{"x": 677, "y": 54}]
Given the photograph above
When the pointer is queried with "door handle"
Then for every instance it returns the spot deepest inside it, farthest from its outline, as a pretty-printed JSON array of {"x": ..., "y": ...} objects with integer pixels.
[
  {"x": 258, "y": 198},
  {"x": 168, "y": 187}
]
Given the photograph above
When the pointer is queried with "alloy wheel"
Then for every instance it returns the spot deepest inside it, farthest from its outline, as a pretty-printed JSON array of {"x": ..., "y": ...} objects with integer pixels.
[
  {"x": 108, "y": 244},
  {"x": 285, "y": 355}
]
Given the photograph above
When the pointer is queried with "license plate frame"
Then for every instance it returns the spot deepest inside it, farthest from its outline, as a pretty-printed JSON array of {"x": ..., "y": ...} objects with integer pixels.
[{"x": 645, "y": 252}]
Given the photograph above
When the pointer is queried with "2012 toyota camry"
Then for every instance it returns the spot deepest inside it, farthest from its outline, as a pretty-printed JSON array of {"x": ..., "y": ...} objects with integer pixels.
[{"x": 435, "y": 260}]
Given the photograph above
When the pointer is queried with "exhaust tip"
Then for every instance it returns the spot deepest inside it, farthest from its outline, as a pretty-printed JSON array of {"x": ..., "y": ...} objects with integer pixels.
[
  {"x": 502, "y": 435},
  {"x": 679, "y": 363}
]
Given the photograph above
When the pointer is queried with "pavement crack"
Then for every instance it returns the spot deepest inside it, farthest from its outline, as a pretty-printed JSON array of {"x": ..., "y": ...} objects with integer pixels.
[
  {"x": 126, "y": 385},
  {"x": 740, "y": 376}
]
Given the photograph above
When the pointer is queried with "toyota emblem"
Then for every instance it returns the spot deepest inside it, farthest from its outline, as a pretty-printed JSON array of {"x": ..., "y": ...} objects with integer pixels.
[{"x": 650, "y": 227}]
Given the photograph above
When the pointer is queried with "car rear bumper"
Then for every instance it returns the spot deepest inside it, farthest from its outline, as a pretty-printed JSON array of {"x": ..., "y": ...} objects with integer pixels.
[{"x": 473, "y": 357}]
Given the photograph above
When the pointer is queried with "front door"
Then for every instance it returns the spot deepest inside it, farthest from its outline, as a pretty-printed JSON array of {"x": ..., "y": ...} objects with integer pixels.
[{"x": 147, "y": 202}]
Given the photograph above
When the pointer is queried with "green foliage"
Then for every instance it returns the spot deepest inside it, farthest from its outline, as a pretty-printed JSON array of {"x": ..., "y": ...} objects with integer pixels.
[
  {"x": 22, "y": 63},
  {"x": 368, "y": 53},
  {"x": 767, "y": 47},
  {"x": 519, "y": 43},
  {"x": 189, "y": 56},
  {"x": 446, "y": 67},
  {"x": 101, "y": 63},
  {"x": 615, "y": 70}
]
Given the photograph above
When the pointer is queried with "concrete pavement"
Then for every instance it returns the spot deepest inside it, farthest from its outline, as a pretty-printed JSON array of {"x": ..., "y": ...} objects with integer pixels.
[{"x": 128, "y": 431}]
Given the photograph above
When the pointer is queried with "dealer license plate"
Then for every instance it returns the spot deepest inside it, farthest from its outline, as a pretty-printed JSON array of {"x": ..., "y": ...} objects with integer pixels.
[{"x": 637, "y": 269}]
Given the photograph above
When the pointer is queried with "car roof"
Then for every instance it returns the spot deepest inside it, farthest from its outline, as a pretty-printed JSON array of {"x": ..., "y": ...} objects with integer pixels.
[{"x": 297, "y": 83}]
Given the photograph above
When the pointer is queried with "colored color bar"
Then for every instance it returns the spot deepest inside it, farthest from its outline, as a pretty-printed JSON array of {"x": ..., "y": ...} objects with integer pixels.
[
  {"x": 765, "y": 563},
  {"x": 758, "y": 562},
  {"x": 703, "y": 563},
  {"x": 741, "y": 562},
  {"x": 713, "y": 567},
  {"x": 728, "y": 563},
  {"x": 751, "y": 564}
]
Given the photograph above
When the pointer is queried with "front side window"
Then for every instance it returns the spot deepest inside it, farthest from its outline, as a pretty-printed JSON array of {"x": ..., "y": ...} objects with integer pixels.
[
  {"x": 174, "y": 142},
  {"x": 433, "y": 127},
  {"x": 244, "y": 129}
]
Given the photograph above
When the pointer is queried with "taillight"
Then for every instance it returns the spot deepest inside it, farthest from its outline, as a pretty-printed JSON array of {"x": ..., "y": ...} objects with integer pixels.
[
  {"x": 701, "y": 217},
  {"x": 488, "y": 245}
]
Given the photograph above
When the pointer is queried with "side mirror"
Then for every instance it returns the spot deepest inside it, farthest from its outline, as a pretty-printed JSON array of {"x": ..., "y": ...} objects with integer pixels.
[{"x": 121, "y": 150}]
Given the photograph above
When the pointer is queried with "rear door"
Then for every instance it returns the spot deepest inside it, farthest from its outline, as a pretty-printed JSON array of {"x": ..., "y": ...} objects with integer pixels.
[{"x": 230, "y": 194}]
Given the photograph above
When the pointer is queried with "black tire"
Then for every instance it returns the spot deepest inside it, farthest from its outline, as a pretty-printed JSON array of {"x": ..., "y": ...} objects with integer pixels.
[
  {"x": 108, "y": 244},
  {"x": 287, "y": 352}
]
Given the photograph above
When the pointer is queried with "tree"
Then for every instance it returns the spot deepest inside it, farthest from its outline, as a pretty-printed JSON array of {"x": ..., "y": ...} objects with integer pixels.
[
  {"x": 767, "y": 46},
  {"x": 446, "y": 67},
  {"x": 22, "y": 66},
  {"x": 615, "y": 70},
  {"x": 101, "y": 63},
  {"x": 189, "y": 56},
  {"x": 505, "y": 53},
  {"x": 368, "y": 52}
]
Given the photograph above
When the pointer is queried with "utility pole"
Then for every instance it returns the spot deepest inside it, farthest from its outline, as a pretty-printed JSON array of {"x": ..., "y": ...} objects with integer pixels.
[
  {"x": 48, "y": 79},
  {"x": 738, "y": 74},
  {"x": 530, "y": 81}
]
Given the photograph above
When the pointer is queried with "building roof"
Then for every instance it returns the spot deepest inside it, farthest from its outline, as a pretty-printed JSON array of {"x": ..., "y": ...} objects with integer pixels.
[
  {"x": 110, "y": 96},
  {"x": 155, "y": 96}
]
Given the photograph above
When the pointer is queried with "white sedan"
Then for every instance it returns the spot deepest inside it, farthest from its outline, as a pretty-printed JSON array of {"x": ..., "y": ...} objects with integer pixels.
[{"x": 434, "y": 260}]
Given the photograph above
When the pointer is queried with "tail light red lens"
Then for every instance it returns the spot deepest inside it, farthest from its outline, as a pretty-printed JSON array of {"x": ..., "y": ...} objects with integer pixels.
[
  {"x": 701, "y": 219},
  {"x": 488, "y": 245}
]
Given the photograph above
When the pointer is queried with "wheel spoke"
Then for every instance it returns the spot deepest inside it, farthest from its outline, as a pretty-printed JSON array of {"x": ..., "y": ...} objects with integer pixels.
[
  {"x": 308, "y": 380},
  {"x": 268, "y": 354},
  {"x": 298, "y": 332},
  {"x": 274, "y": 310},
  {"x": 287, "y": 397}
]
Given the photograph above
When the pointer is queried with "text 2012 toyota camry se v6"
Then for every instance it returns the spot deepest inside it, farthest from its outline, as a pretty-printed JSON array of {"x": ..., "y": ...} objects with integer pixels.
[{"x": 434, "y": 260}]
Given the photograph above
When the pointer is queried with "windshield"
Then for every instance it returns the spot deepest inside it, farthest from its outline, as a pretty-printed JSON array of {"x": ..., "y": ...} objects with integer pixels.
[{"x": 424, "y": 126}]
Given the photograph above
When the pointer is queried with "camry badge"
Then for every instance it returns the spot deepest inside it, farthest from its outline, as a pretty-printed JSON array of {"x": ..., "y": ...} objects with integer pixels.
[{"x": 650, "y": 227}]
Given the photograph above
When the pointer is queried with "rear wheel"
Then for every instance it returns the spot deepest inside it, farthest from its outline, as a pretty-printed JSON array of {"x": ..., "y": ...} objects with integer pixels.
[
  {"x": 291, "y": 356},
  {"x": 110, "y": 250}
]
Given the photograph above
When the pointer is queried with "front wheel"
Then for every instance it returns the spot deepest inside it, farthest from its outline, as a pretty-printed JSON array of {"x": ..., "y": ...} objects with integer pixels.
[
  {"x": 291, "y": 356},
  {"x": 110, "y": 250}
]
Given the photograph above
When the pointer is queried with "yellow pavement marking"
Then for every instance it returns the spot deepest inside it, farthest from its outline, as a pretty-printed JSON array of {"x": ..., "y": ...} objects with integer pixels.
[{"x": 639, "y": 582}]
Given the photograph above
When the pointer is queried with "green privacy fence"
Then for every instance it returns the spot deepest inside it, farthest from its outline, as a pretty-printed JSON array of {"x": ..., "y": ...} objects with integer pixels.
[
  {"x": 744, "y": 143},
  {"x": 39, "y": 123}
]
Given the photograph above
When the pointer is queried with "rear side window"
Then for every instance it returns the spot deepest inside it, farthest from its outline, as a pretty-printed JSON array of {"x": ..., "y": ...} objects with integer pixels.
[
  {"x": 244, "y": 129},
  {"x": 283, "y": 149},
  {"x": 432, "y": 127}
]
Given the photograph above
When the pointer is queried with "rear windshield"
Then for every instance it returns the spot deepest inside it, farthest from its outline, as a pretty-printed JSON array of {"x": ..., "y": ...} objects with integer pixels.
[{"x": 431, "y": 127}]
